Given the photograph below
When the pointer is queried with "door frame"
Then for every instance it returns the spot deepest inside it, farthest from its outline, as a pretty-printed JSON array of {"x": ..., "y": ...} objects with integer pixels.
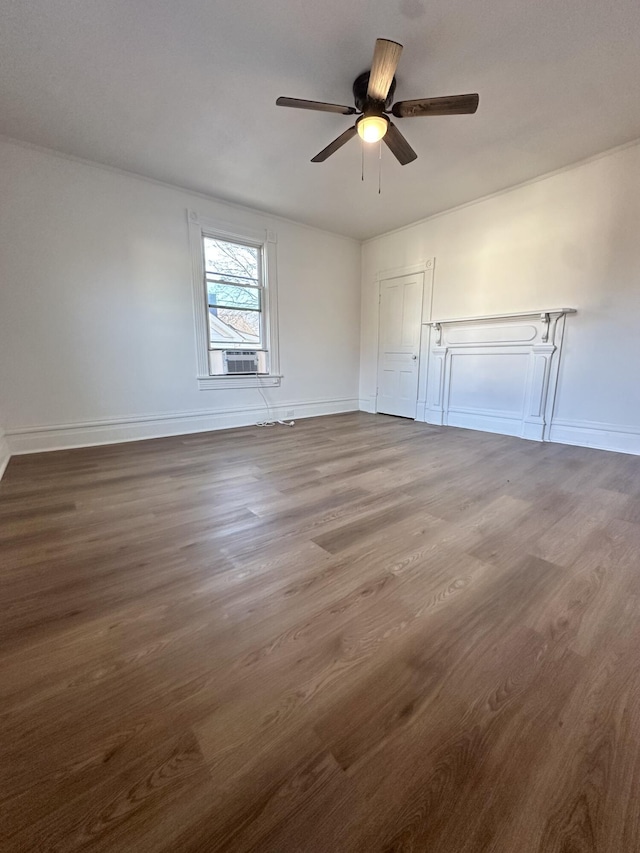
[{"x": 427, "y": 268}]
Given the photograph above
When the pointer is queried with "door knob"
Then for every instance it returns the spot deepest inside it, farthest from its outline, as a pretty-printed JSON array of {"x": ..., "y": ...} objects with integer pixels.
[{"x": 414, "y": 357}]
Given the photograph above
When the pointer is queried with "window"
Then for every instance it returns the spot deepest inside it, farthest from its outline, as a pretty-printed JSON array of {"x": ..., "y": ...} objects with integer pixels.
[
  {"x": 234, "y": 305},
  {"x": 234, "y": 293}
]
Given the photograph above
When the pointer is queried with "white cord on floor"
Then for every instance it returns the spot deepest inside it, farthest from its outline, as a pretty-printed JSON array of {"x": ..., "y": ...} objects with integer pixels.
[{"x": 270, "y": 421}]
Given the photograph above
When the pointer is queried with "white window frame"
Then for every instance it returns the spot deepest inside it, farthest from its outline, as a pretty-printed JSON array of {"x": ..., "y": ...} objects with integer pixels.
[{"x": 266, "y": 241}]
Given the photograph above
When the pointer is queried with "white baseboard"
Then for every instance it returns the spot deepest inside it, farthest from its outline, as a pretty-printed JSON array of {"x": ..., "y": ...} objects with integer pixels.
[
  {"x": 487, "y": 422},
  {"x": 116, "y": 430},
  {"x": 622, "y": 439},
  {"x": 367, "y": 404},
  {"x": 433, "y": 415},
  {"x": 5, "y": 454}
]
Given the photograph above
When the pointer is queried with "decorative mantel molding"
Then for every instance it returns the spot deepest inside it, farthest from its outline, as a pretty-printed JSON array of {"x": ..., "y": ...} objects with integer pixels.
[
  {"x": 512, "y": 316},
  {"x": 496, "y": 372}
]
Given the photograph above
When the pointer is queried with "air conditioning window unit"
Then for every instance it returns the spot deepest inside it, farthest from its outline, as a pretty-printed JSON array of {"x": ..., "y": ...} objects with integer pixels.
[{"x": 240, "y": 361}]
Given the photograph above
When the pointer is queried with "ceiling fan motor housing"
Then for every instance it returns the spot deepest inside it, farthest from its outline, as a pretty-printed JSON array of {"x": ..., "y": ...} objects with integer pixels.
[{"x": 362, "y": 103}]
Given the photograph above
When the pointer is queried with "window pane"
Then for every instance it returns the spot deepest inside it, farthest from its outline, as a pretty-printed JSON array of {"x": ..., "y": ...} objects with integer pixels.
[
  {"x": 233, "y": 297},
  {"x": 230, "y": 261},
  {"x": 229, "y": 327}
]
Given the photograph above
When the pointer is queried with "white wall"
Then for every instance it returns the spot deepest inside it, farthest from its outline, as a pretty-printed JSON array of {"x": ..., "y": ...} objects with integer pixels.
[
  {"x": 569, "y": 240},
  {"x": 96, "y": 323}
]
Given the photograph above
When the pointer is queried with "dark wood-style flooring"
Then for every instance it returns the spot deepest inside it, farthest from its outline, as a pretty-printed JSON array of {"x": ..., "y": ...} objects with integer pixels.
[{"x": 359, "y": 634}]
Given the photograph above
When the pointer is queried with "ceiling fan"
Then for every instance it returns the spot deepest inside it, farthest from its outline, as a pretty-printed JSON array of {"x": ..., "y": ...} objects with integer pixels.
[{"x": 373, "y": 93}]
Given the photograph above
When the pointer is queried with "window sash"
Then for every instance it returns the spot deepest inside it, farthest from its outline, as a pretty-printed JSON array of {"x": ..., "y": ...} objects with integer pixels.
[
  {"x": 234, "y": 307},
  {"x": 257, "y": 291},
  {"x": 217, "y": 343},
  {"x": 258, "y": 248},
  {"x": 229, "y": 278}
]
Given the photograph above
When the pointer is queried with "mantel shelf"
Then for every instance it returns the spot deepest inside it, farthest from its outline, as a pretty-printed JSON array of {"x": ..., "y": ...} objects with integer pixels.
[{"x": 552, "y": 311}]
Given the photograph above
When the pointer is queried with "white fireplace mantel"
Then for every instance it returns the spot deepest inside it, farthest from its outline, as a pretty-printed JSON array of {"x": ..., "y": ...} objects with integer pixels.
[{"x": 496, "y": 372}]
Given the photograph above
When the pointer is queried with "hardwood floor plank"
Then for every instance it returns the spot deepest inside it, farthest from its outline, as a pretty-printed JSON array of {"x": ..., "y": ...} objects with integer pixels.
[{"x": 147, "y": 782}]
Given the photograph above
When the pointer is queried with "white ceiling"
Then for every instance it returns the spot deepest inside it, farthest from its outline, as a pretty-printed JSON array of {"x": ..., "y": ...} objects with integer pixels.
[{"x": 185, "y": 92}]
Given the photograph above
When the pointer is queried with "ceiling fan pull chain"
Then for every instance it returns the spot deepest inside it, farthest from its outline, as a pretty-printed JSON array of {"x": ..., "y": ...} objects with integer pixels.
[
  {"x": 362, "y": 151},
  {"x": 380, "y": 170}
]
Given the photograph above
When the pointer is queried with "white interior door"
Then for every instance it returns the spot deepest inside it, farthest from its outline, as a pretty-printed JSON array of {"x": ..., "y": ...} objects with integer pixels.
[{"x": 399, "y": 344}]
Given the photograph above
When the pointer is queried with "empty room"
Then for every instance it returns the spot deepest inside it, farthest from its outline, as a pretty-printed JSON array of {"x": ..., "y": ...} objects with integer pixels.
[{"x": 319, "y": 427}]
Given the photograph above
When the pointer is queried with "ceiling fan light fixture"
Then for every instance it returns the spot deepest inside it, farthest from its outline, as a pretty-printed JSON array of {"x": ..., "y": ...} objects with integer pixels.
[{"x": 372, "y": 128}]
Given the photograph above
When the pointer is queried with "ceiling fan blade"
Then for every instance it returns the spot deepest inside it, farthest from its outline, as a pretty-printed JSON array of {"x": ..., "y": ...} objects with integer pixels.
[
  {"x": 332, "y": 147},
  {"x": 385, "y": 61},
  {"x": 315, "y": 105},
  {"x": 448, "y": 106},
  {"x": 398, "y": 145}
]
